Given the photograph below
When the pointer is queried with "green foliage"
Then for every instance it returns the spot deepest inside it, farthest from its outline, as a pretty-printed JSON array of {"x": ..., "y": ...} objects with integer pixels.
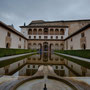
[
  {"x": 79, "y": 53},
  {"x": 8, "y": 52}
]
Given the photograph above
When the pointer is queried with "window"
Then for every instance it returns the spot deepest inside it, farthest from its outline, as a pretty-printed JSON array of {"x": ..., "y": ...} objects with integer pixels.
[
  {"x": 82, "y": 34},
  {"x": 28, "y": 66},
  {"x": 19, "y": 38},
  {"x": 33, "y": 66},
  {"x": 51, "y": 37},
  {"x": 8, "y": 34},
  {"x": 29, "y": 31},
  {"x": 29, "y": 43},
  {"x": 19, "y": 46},
  {"x": 56, "y": 67},
  {"x": 61, "y": 37},
  {"x": 61, "y": 67},
  {"x": 34, "y": 31},
  {"x": 62, "y": 32},
  {"x": 56, "y": 37},
  {"x": 71, "y": 39},
  {"x": 40, "y": 31},
  {"x": 51, "y": 31},
  {"x": 45, "y": 29},
  {"x": 56, "y": 31},
  {"x": 39, "y": 37},
  {"x": 56, "y": 44},
  {"x": 34, "y": 37},
  {"x": 45, "y": 37},
  {"x": 34, "y": 43},
  {"x": 71, "y": 47},
  {"x": 29, "y": 37}
]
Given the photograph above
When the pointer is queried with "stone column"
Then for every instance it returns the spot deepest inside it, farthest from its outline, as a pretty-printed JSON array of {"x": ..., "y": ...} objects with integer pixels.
[
  {"x": 32, "y": 31},
  {"x": 37, "y": 31},
  {"x": 54, "y": 31}
]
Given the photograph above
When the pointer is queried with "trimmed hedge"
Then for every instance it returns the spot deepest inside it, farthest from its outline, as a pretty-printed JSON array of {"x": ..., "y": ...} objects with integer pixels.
[
  {"x": 79, "y": 53},
  {"x": 8, "y": 52}
]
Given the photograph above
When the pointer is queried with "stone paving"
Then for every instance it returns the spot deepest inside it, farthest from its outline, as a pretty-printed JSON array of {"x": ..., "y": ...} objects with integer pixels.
[
  {"x": 38, "y": 83},
  {"x": 50, "y": 84},
  {"x": 75, "y": 57}
]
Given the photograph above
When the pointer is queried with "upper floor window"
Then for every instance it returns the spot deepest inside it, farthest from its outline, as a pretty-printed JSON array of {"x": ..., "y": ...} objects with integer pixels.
[
  {"x": 62, "y": 32},
  {"x": 30, "y": 31},
  {"x": 51, "y": 37},
  {"x": 9, "y": 34},
  {"x": 34, "y": 43},
  {"x": 40, "y": 31},
  {"x": 29, "y": 37},
  {"x": 71, "y": 39},
  {"x": 61, "y": 37},
  {"x": 56, "y": 37},
  {"x": 56, "y": 31},
  {"x": 34, "y": 37},
  {"x": 51, "y": 31},
  {"x": 45, "y": 31},
  {"x": 19, "y": 38},
  {"x": 34, "y": 31},
  {"x": 82, "y": 34},
  {"x": 39, "y": 37},
  {"x": 45, "y": 37}
]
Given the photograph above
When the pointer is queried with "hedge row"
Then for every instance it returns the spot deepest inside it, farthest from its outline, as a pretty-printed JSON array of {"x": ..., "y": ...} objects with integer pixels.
[
  {"x": 79, "y": 53},
  {"x": 9, "y": 52}
]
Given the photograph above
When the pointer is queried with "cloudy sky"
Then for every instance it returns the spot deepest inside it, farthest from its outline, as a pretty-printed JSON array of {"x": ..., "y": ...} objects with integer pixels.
[{"x": 19, "y": 11}]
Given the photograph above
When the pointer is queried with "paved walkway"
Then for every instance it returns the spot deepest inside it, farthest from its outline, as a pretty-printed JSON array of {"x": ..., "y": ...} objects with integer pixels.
[
  {"x": 14, "y": 56},
  {"x": 75, "y": 57}
]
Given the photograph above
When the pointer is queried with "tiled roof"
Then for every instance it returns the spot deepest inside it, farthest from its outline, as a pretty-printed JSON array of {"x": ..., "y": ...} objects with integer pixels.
[{"x": 41, "y": 23}]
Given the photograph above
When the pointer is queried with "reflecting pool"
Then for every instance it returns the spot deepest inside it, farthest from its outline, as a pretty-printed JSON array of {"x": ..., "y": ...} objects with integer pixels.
[{"x": 28, "y": 66}]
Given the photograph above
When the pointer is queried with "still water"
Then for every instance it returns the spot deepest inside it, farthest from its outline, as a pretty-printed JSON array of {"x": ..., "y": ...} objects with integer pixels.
[{"x": 29, "y": 66}]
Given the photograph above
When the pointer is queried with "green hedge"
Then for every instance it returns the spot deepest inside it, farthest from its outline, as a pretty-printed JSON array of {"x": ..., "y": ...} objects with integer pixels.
[
  {"x": 80, "y": 53},
  {"x": 8, "y": 52}
]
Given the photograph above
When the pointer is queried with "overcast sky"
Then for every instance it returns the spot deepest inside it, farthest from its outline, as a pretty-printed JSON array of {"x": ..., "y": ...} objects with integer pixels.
[{"x": 17, "y": 12}]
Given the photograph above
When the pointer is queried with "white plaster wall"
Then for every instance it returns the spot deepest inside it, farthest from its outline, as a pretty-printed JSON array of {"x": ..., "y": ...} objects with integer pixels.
[
  {"x": 76, "y": 40},
  {"x": 3, "y": 34},
  {"x": 87, "y": 35},
  {"x": 14, "y": 39}
]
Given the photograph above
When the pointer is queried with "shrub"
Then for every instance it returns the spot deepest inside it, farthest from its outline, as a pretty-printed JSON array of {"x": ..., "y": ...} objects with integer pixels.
[
  {"x": 9, "y": 52},
  {"x": 80, "y": 53}
]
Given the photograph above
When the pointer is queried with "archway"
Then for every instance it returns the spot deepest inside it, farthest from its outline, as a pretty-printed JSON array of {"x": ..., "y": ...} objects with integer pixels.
[
  {"x": 45, "y": 46},
  {"x": 61, "y": 46},
  {"x": 51, "y": 47},
  {"x": 40, "y": 47},
  {"x": 84, "y": 46},
  {"x": 7, "y": 45}
]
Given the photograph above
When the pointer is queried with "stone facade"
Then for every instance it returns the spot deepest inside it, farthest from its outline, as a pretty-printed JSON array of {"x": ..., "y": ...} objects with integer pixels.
[
  {"x": 55, "y": 34},
  {"x": 81, "y": 40},
  {"x": 11, "y": 38},
  {"x": 47, "y": 35}
]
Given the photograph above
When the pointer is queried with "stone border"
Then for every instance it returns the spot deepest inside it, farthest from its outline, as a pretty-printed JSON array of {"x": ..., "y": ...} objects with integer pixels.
[
  {"x": 64, "y": 81},
  {"x": 15, "y": 86}
]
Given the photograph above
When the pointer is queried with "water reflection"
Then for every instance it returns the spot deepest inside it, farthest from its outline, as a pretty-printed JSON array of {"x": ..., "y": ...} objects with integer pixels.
[{"x": 29, "y": 66}]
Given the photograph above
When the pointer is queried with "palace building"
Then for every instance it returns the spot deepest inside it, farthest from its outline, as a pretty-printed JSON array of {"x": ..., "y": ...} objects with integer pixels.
[
  {"x": 55, "y": 35},
  {"x": 47, "y": 35}
]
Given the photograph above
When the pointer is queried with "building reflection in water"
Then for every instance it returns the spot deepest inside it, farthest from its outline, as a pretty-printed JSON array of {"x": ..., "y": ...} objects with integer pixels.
[{"x": 29, "y": 66}]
